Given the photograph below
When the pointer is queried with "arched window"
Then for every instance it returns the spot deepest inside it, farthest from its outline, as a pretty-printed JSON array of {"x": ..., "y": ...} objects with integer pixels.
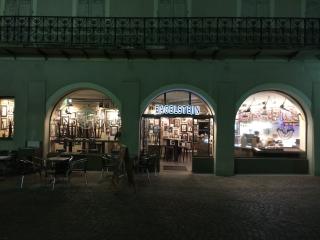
[{"x": 270, "y": 124}]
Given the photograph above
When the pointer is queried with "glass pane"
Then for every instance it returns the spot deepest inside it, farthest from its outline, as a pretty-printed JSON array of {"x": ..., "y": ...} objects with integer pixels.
[
  {"x": 81, "y": 115},
  {"x": 7, "y": 117},
  {"x": 270, "y": 123}
]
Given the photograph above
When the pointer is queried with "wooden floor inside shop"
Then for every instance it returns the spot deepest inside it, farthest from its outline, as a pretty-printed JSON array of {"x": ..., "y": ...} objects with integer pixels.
[{"x": 184, "y": 164}]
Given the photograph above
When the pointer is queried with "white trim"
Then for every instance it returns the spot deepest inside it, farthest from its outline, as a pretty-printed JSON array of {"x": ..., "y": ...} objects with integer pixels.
[
  {"x": 74, "y": 8},
  {"x": 303, "y": 8},
  {"x": 155, "y": 8},
  {"x": 34, "y": 5},
  {"x": 272, "y": 8},
  {"x": 239, "y": 6}
]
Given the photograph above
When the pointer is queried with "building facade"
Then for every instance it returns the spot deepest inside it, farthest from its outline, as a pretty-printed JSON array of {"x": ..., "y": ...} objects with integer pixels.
[{"x": 233, "y": 85}]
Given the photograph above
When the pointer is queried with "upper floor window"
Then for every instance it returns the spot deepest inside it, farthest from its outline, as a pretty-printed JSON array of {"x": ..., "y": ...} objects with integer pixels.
[
  {"x": 6, "y": 117},
  {"x": 255, "y": 8},
  {"x": 312, "y": 8},
  {"x": 173, "y": 8},
  {"x": 91, "y": 8},
  {"x": 18, "y": 7}
]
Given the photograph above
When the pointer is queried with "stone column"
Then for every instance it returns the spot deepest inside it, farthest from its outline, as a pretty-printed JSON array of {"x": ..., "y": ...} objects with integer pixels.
[
  {"x": 130, "y": 115},
  {"x": 225, "y": 117},
  {"x": 316, "y": 127}
]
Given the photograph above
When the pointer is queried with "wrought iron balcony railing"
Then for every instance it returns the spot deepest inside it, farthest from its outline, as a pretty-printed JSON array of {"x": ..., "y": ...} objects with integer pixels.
[{"x": 144, "y": 33}]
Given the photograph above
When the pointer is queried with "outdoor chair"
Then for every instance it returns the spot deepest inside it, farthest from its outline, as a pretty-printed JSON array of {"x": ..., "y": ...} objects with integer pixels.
[
  {"x": 79, "y": 165},
  {"x": 147, "y": 163},
  {"x": 29, "y": 167},
  {"x": 55, "y": 169}
]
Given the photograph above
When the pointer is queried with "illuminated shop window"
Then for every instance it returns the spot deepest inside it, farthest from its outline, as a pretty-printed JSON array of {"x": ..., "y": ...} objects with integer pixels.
[
  {"x": 7, "y": 117},
  {"x": 81, "y": 118},
  {"x": 270, "y": 123},
  {"x": 177, "y": 125}
]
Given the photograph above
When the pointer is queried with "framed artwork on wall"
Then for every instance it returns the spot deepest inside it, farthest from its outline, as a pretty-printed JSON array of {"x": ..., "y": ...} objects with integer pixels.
[
  {"x": 4, "y": 123},
  {"x": 183, "y": 127},
  {"x": 3, "y": 110},
  {"x": 177, "y": 122},
  {"x": 114, "y": 130}
]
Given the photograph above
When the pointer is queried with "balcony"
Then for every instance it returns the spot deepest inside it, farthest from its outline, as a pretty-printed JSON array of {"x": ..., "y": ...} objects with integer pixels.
[{"x": 78, "y": 37}]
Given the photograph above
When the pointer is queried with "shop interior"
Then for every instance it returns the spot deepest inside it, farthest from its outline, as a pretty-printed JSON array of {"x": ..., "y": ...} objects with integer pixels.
[
  {"x": 270, "y": 124},
  {"x": 7, "y": 117},
  {"x": 176, "y": 136},
  {"x": 84, "y": 121}
]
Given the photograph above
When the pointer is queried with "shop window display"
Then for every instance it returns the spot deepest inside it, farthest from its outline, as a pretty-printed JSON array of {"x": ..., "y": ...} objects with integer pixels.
[
  {"x": 7, "y": 117},
  {"x": 177, "y": 125},
  {"x": 83, "y": 120},
  {"x": 270, "y": 124}
]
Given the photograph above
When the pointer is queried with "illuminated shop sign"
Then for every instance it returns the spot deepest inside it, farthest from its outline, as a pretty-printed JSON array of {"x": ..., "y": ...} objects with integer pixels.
[{"x": 177, "y": 109}]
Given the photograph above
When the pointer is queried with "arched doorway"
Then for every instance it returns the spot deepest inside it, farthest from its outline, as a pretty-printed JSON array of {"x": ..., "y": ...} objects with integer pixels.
[
  {"x": 84, "y": 120},
  {"x": 270, "y": 134},
  {"x": 178, "y": 126}
]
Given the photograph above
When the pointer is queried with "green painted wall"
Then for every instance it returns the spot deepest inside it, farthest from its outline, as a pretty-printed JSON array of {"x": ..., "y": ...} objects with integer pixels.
[
  {"x": 54, "y": 8},
  {"x": 287, "y": 8},
  {"x": 131, "y": 8},
  {"x": 218, "y": 8},
  {"x": 33, "y": 81},
  {"x": 145, "y": 8}
]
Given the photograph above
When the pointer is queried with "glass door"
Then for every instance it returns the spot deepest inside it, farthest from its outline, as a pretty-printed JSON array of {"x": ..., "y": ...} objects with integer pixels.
[
  {"x": 203, "y": 132},
  {"x": 150, "y": 137}
]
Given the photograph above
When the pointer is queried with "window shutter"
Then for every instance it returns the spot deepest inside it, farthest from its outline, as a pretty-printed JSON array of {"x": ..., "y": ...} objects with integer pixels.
[
  {"x": 165, "y": 8},
  {"x": 180, "y": 8},
  {"x": 97, "y": 8},
  {"x": 83, "y": 8},
  {"x": 11, "y": 7},
  {"x": 313, "y": 8},
  {"x": 25, "y": 7}
]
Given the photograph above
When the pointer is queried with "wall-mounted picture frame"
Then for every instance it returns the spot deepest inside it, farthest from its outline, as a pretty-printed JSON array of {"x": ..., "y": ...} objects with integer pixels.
[
  {"x": 3, "y": 110},
  {"x": 10, "y": 109},
  {"x": 177, "y": 122},
  {"x": 113, "y": 130},
  {"x": 183, "y": 127},
  {"x": 184, "y": 136},
  {"x": 189, "y": 129},
  {"x": 4, "y": 123}
]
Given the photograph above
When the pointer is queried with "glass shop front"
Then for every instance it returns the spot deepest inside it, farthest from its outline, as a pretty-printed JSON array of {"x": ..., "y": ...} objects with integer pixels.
[
  {"x": 270, "y": 124},
  {"x": 84, "y": 121},
  {"x": 177, "y": 126}
]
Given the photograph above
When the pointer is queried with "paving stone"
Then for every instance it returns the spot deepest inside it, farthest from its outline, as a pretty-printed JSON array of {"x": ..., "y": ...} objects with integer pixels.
[{"x": 171, "y": 207}]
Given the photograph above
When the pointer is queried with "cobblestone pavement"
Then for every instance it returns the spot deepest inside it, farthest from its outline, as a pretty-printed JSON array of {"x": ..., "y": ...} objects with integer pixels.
[{"x": 171, "y": 207}]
